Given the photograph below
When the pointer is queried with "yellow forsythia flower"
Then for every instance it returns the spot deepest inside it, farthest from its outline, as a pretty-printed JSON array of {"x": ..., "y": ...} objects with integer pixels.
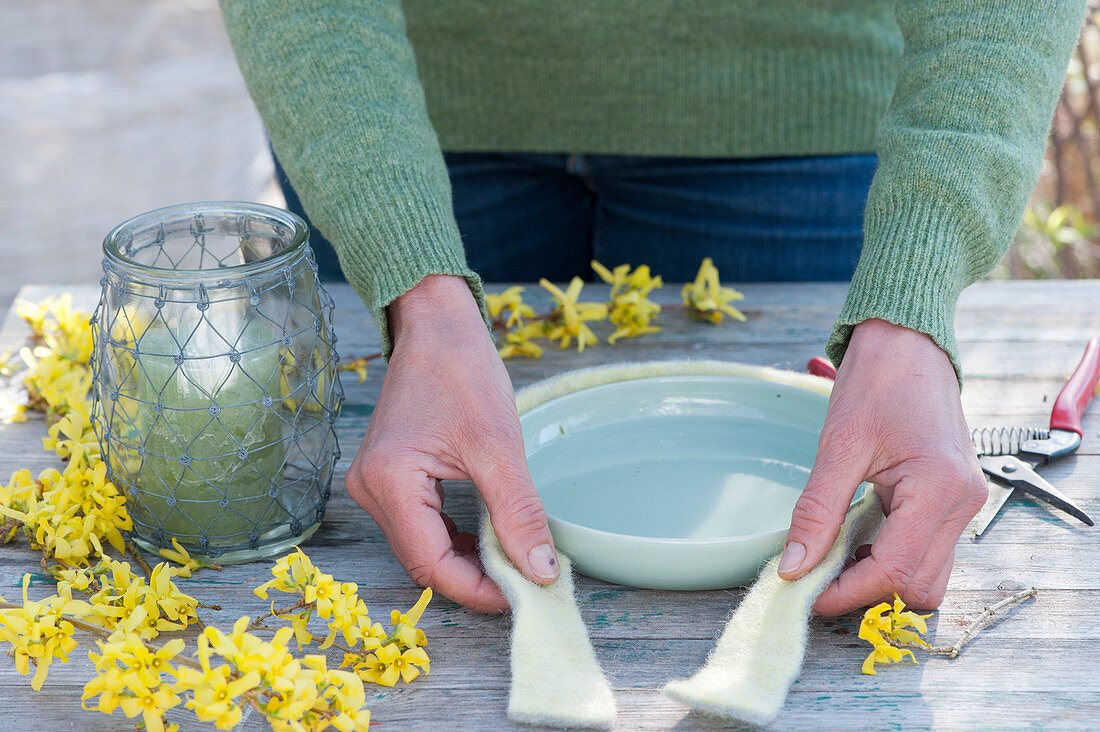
[
  {"x": 358, "y": 365},
  {"x": 180, "y": 556},
  {"x": 131, "y": 676},
  {"x": 7, "y": 364},
  {"x": 246, "y": 652},
  {"x": 885, "y": 654},
  {"x": 80, "y": 442},
  {"x": 399, "y": 656},
  {"x": 520, "y": 341},
  {"x": 707, "y": 298},
  {"x": 569, "y": 317},
  {"x": 622, "y": 279},
  {"x": 57, "y": 376},
  {"x": 122, "y": 593},
  {"x": 388, "y": 664},
  {"x": 81, "y": 579},
  {"x": 348, "y": 616},
  {"x": 292, "y": 573},
  {"x": 404, "y": 624},
  {"x": 336, "y": 602},
  {"x": 38, "y": 632},
  {"x": 512, "y": 301},
  {"x": 884, "y": 632},
  {"x": 631, "y": 308},
  {"x": 216, "y": 689},
  {"x": 70, "y": 515},
  {"x": 67, "y": 515}
]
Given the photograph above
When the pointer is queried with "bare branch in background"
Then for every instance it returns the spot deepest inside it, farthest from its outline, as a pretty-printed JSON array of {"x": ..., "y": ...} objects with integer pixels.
[{"x": 1060, "y": 236}]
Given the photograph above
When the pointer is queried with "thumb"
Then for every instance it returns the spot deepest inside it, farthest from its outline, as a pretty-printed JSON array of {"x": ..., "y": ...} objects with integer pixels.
[
  {"x": 820, "y": 510},
  {"x": 517, "y": 513}
]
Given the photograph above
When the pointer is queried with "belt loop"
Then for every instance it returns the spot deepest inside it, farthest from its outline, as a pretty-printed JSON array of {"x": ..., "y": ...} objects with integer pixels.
[{"x": 576, "y": 164}]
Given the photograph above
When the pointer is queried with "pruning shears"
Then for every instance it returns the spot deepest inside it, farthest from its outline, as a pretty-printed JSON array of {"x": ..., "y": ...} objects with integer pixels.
[{"x": 1009, "y": 455}]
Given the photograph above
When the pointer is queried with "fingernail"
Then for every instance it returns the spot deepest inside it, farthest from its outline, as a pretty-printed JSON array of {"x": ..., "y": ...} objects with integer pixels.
[
  {"x": 792, "y": 557},
  {"x": 543, "y": 561}
]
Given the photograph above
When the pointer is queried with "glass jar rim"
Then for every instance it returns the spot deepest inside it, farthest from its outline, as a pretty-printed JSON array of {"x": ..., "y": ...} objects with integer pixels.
[{"x": 299, "y": 239}]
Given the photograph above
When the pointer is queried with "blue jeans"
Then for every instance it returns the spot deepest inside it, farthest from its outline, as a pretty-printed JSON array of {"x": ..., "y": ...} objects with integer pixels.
[{"x": 523, "y": 216}]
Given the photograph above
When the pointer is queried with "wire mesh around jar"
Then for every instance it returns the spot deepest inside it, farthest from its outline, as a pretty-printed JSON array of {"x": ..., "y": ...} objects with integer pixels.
[{"x": 216, "y": 402}]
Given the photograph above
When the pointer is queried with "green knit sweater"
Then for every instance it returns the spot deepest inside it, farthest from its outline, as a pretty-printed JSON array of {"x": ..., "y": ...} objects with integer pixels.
[{"x": 955, "y": 97}]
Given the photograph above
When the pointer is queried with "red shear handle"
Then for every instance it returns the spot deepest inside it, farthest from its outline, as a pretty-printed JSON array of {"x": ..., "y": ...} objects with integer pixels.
[
  {"x": 1078, "y": 391},
  {"x": 820, "y": 367}
]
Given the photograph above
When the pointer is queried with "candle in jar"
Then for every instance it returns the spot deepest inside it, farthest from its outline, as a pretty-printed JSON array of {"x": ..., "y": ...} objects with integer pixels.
[{"x": 212, "y": 440}]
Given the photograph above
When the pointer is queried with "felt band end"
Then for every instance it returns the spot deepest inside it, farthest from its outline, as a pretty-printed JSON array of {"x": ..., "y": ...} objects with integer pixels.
[
  {"x": 747, "y": 676},
  {"x": 711, "y": 702},
  {"x": 556, "y": 679}
]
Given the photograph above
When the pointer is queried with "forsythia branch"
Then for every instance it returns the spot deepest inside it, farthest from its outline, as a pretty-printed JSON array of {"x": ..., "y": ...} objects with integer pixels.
[
  {"x": 971, "y": 630},
  {"x": 895, "y": 632}
]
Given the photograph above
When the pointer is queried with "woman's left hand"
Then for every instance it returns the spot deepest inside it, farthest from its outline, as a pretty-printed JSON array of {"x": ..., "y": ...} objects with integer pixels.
[{"x": 894, "y": 419}]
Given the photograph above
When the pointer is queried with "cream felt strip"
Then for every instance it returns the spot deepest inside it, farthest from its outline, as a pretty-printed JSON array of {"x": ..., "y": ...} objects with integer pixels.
[
  {"x": 556, "y": 679},
  {"x": 758, "y": 657}
]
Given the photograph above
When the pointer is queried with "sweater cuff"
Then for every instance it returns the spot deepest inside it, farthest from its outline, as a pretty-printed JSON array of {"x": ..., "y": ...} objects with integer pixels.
[
  {"x": 398, "y": 236},
  {"x": 910, "y": 273}
]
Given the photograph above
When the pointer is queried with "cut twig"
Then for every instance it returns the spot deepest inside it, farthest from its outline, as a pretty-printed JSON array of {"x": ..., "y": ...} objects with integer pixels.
[
  {"x": 77, "y": 623},
  {"x": 136, "y": 554},
  {"x": 257, "y": 623},
  {"x": 370, "y": 357},
  {"x": 971, "y": 630}
]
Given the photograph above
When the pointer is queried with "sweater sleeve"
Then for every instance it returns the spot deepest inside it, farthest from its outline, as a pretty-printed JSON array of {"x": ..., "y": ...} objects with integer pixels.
[
  {"x": 336, "y": 85},
  {"x": 959, "y": 152}
]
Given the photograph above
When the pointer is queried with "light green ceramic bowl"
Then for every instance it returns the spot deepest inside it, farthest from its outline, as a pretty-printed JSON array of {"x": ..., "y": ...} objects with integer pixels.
[{"x": 676, "y": 482}]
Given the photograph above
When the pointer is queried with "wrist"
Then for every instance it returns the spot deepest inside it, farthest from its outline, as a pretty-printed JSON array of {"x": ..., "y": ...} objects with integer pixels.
[
  {"x": 893, "y": 346},
  {"x": 438, "y": 303}
]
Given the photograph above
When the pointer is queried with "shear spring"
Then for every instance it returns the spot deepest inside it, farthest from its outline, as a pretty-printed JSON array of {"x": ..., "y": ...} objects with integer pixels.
[{"x": 1005, "y": 440}]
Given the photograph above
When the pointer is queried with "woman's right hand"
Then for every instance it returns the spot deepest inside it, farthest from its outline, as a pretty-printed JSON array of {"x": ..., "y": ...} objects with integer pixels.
[{"x": 447, "y": 412}]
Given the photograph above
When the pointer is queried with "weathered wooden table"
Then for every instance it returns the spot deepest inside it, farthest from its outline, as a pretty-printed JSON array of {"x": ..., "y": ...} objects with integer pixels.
[{"x": 1036, "y": 667}]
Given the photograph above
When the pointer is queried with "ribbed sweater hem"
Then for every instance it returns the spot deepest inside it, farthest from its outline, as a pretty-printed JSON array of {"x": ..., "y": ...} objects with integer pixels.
[
  {"x": 416, "y": 239},
  {"x": 910, "y": 274}
]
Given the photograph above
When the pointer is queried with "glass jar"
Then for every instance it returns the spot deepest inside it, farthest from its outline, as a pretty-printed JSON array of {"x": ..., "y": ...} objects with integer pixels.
[{"x": 216, "y": 387}]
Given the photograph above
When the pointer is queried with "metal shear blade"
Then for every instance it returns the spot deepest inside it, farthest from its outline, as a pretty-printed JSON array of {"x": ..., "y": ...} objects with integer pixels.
[
  {"x": 1012, "y": 471},
  {"x": 999, "y": 447}
]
